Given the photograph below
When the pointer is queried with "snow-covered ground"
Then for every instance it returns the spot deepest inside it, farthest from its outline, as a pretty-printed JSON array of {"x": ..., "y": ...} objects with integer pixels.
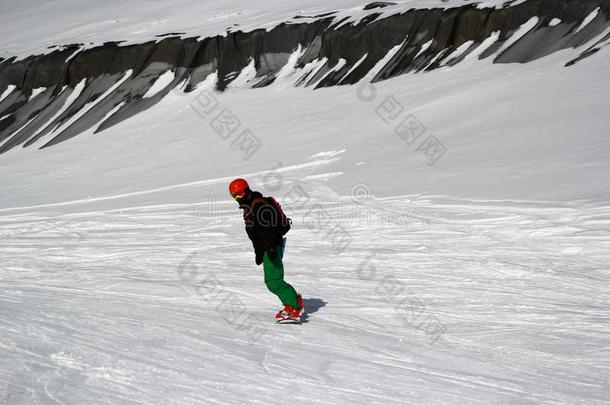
[
  {"x": 437, "y": 301},
  {"x": 476, "y": 275}
]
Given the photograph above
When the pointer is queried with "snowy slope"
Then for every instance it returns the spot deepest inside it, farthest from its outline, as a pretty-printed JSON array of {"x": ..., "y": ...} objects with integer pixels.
[
  {"x": 479, "y": 277},
  {"x": 122, "y": 255}
]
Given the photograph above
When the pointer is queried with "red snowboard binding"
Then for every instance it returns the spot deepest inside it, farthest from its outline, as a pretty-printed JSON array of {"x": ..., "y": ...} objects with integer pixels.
[{"x": 289, "y": 314}]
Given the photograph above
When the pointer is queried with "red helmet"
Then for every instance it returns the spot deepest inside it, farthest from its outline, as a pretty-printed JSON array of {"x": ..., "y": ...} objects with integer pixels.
[{"x": 238, "y": 188}]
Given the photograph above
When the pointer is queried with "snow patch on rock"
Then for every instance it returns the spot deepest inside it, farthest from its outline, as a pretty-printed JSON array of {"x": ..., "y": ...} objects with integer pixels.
[
  {"x": 7, "y": 92},
  {"x": 162, "y": 82}
]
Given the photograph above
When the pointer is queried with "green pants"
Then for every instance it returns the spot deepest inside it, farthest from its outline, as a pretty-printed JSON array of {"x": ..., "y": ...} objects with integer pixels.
[{"x": 274, "y": 279}]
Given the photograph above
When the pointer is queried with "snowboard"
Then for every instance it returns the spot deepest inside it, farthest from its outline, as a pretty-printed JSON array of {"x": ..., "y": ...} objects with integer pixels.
[
  {"x": 289, "y": 320},
  {"x": 297, "y": 320}
]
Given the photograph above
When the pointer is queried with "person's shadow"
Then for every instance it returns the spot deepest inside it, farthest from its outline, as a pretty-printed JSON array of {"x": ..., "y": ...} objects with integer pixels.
[{"x": 311, "y": 305}]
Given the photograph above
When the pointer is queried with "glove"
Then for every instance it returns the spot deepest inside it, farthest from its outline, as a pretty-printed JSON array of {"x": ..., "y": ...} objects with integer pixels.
[
  {"x": 271, "y": 253},
  {"x": 258, "y": 259}
]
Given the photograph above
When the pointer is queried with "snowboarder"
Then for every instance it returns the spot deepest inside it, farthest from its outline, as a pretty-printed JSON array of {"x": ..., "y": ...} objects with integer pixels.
[{"x": 266, "y": 225}]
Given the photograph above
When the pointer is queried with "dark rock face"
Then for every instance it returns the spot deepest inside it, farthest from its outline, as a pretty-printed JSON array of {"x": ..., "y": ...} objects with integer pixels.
[{"x": 71, "y": 90}]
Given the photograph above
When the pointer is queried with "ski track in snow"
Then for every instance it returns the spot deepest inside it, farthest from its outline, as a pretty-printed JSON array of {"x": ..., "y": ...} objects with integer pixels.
[{"x": 130, "y": 307}]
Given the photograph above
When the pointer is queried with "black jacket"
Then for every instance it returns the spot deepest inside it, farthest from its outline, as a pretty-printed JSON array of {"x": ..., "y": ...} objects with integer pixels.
[{"x": 261, "y": 222}]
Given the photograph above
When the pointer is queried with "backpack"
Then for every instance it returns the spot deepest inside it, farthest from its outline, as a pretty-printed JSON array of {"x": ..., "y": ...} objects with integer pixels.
[
  {"x": 284, "y": 221},
  {"x": 283, "y": 225}
]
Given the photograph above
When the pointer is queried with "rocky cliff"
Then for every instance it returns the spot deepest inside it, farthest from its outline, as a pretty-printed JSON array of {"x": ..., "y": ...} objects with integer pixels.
[{"x": 72, "y": 88}]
